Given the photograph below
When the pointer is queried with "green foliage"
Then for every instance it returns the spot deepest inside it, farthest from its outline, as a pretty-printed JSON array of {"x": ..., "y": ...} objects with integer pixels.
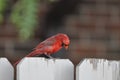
[
  {"x": 3, "y": 5},
  {"x": 24, "y": 16},
  {"x": 1, "y": 18}
]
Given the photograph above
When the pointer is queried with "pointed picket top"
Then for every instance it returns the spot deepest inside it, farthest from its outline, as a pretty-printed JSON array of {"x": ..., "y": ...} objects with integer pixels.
[
  {"x": 98, "y": 69},
  {"x": 6, "y": 70},
  {"x": 45, "y": 69}
]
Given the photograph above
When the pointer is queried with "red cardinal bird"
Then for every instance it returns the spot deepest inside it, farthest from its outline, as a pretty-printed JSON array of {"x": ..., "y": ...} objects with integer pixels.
[{"x": 50, "y": 45}]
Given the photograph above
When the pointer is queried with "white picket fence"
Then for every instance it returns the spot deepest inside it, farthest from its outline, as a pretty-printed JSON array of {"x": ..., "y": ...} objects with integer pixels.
[
  {"x": 6, "y": 70},
  {"x": 60, "y": 69}
]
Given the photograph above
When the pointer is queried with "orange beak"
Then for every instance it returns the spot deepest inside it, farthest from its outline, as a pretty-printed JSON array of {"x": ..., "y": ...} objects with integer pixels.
[{"x": 66, "y": 47}]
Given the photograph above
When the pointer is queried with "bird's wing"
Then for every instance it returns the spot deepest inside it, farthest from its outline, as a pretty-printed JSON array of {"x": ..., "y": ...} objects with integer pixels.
[{"x": 48, "y": 42}]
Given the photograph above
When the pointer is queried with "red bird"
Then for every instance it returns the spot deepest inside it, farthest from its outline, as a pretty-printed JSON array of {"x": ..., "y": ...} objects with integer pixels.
[{"x": 50, "y": 45}]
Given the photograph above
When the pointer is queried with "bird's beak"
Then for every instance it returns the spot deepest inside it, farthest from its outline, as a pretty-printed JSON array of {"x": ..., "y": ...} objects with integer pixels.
[{"x": 66, "y": 47}]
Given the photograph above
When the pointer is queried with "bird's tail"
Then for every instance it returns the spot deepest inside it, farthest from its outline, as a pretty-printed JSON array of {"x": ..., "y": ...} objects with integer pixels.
[{"x": 33, "y": 53}]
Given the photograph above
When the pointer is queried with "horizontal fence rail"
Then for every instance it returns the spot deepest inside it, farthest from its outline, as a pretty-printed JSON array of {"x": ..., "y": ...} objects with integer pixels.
[{"x": 60, "y": 69}]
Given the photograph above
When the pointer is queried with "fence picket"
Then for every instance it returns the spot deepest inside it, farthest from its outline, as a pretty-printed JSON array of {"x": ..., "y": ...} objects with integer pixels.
[
  {"x": 98, "y": 69},
  {"x": 45, "y": 69},
  {"x": 6, "y": 70}
]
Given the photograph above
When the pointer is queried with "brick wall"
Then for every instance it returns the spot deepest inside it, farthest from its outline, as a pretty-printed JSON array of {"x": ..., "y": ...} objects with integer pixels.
[{"x": 95, "y": 31}]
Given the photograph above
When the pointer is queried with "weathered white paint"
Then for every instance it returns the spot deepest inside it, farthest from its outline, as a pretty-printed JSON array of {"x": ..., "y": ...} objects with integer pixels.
[
  {"x": 98, "y": 69},
  {"x": 6, "y": 70},
  {"x": 45, "y": 69}
]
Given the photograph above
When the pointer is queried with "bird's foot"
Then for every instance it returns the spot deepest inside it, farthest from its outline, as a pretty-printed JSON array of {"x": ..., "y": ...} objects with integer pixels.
[{"x": 48, "y": 56}]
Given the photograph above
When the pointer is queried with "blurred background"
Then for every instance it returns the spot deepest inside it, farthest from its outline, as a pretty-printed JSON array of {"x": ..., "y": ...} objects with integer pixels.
[{"x": 92, "y": 25}]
